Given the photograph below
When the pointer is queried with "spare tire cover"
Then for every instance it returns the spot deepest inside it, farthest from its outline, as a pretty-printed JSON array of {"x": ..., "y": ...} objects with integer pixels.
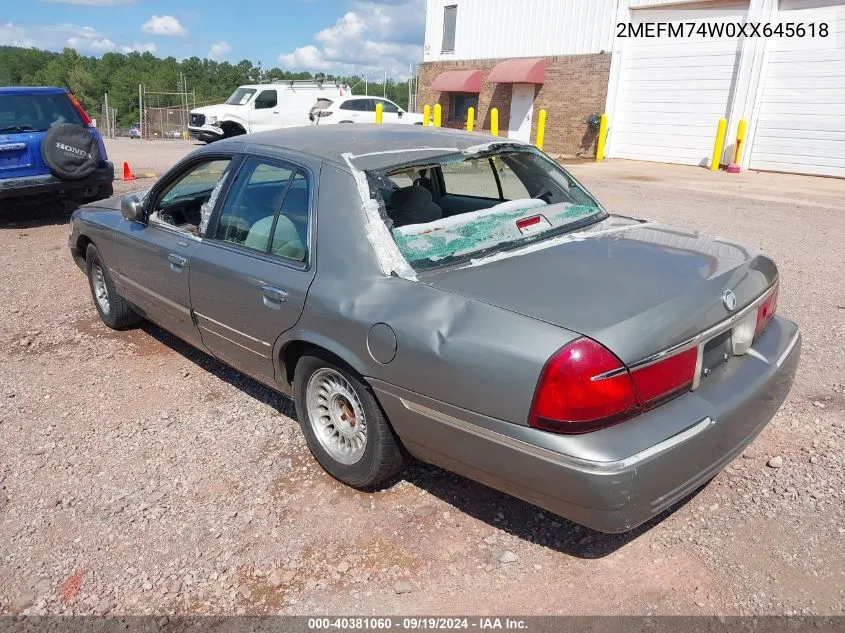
[{"x": 70, "y": 151}]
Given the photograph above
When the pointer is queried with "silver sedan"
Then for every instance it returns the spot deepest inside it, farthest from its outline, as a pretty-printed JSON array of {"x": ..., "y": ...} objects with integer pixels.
[{"x": 459, "y": 298}]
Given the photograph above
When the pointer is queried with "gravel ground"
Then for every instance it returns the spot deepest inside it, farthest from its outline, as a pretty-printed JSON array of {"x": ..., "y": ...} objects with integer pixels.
[{"x": 140, "y": 476}]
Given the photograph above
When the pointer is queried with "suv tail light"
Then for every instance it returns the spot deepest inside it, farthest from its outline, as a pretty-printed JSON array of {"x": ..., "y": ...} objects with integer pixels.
[
  {"x": 85, "y": 118},
  {"x": 766, "y": 311},
  {"x": 584, "y": 387}
]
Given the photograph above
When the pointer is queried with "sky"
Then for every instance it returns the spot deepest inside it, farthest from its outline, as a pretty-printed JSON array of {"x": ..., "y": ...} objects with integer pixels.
[{"x": 330, "y": 36}]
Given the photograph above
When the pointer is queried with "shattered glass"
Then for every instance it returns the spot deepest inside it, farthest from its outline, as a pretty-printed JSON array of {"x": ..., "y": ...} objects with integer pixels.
[{"x": 477, "y": 232}]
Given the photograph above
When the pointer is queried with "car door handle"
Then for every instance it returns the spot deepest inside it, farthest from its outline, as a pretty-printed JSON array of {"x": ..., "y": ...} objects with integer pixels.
[
  {"x": 273, "y": 297},
  {"x": 176, "y": 262}
]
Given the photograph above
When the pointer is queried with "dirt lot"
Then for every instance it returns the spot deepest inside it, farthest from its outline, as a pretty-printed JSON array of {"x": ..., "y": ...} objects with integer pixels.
[{"x": 138, "y": 475}]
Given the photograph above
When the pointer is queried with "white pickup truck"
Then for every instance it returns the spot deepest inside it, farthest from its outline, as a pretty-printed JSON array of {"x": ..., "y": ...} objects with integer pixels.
[{"x": 261, "y": 107}]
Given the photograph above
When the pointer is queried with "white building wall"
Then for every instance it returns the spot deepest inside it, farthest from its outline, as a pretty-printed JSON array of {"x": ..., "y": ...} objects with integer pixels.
[{"x": 491, "y": 29}]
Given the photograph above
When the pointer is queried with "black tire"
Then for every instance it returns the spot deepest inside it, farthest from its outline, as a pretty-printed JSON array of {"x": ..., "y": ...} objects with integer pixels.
[
  {"x": 116, "y": 313},
  {"x": 70, "y": 151},
  {"x": 383, "y": 456}
]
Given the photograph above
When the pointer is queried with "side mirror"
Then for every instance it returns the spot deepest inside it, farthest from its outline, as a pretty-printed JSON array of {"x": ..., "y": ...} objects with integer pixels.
[
  {"x": 131, "y": 209},
  {"x": 400, "y": 113}
]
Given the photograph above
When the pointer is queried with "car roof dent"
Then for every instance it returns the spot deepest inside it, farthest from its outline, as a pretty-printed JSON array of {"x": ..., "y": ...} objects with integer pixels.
[{"x": 390, "y": 257}]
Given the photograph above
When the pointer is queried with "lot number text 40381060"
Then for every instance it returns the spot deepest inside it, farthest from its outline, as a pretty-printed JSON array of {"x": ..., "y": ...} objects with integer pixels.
[{"x": 722, "y": 29}]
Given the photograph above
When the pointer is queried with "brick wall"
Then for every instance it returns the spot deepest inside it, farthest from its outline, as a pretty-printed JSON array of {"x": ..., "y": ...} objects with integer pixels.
[{"x": 575, "y": 87}]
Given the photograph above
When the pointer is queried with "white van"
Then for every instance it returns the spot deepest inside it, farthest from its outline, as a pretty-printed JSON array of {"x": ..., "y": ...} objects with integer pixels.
[{"x": 261, "y": 107}]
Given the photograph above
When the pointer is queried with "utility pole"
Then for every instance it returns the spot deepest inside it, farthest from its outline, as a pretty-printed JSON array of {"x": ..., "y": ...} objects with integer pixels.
[
  {"x": 140, "y": 110},
  {"x": 384, "y": 85},
  {"x": 108, "y": 115}
]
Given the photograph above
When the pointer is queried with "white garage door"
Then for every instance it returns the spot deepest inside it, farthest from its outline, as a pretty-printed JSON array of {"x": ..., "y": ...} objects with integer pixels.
[
  {"x": 674, "y": 90},
  {"x": 801, "y": 123}
]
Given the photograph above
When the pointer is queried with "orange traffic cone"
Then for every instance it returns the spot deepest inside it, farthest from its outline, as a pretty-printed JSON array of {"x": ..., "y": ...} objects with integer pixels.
[{"x": 127, "y": 173}]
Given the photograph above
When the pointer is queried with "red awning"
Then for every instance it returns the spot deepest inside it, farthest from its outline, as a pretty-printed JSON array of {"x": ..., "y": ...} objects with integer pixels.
[
  {"x": 519, "y": 71},
  {"x": 458, "y": 81}
]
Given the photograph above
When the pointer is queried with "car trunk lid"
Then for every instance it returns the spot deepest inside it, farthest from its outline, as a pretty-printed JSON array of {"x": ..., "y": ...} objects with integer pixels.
[{"x": 638, "y": 289}]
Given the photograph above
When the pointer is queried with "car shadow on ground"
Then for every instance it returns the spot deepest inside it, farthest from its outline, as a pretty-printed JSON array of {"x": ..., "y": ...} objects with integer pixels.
[
  {"x": 16, "y": 215},
  {"x": 498, "y": 510}
]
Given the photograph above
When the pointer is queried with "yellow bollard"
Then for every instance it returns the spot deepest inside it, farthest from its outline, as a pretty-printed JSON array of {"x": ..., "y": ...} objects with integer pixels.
[
  {"x": 379, "y": 112},
  {"x": 541, "y": 129},
  {"x": 470, "y": 119},
  {"x": 719, "y": 147},
  {"x": 602, "y": 140},
  {"x": 437, "y": 114},
  {"x": 494, "y": 121},
  {"x": 426, "y": 115},
  {"x": 740, "y": 140}
]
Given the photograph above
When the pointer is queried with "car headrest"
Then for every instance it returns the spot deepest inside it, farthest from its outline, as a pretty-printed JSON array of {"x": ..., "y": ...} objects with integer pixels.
[{"x": 413, "y": 205}]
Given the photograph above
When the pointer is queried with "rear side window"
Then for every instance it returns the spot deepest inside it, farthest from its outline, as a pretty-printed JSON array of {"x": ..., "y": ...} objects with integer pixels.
[{"x": 35, "y": 112}]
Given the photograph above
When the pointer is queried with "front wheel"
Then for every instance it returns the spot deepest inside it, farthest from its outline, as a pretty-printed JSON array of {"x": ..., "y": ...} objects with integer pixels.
[
  {"x": 343, "y": 424},
  {"x": 112, "y": 308}
]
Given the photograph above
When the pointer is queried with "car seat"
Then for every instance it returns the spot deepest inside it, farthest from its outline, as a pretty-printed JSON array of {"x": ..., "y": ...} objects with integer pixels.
[{"x": 413, "y": 205}]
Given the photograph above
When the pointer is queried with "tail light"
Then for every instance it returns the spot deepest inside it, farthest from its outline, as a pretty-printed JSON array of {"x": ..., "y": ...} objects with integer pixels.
[
  {"x": 766, "y": 311},
  {"x": 85, "y": 118},
  {"x": 569, "y": 397},
  {"x": 584, "y": 387},
  {"x": 663, "y": 380}
]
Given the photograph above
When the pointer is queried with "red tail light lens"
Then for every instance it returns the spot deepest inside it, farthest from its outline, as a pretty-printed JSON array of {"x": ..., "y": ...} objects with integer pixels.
[
  {"x": 85, "y": 118},
  {"x": 569, "y": 399},
  {"x": 661, "y": 381},
  {"x": 766, "y": 311}
]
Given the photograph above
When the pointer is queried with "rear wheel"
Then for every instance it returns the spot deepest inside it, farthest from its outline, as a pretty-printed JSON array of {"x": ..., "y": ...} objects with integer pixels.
[
  {"x": 343, "y": 423},
  {"x": 112, "y": 308}
]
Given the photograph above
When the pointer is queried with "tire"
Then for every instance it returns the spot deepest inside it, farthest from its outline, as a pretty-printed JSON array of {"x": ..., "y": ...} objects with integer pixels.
[
  {"x": 382, "y": 455},
  {"x": 70, "y": 151},
  {"x": 112, "y": 308}
]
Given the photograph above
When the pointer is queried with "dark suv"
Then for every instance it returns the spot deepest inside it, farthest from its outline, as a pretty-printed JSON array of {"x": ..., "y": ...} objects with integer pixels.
[{"x": 49, "y": 149}]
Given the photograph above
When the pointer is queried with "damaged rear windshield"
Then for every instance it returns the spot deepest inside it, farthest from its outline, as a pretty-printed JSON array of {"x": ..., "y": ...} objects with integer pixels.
[{"x": 463, "y": 208}]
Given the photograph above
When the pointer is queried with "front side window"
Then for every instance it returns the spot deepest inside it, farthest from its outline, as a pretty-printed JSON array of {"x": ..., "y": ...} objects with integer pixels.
[
  {"x": 186, "y": 203},
  {"x": 241, "y": 96},
  {"x": 450, "y": 20},
  {"x": 489, "y": 203},
  {"x": 461, "y": 103},
  {"x": 267, "y": 210},
  {"x": 266, "y": 99},
  {"x": 388, "y": 106}
]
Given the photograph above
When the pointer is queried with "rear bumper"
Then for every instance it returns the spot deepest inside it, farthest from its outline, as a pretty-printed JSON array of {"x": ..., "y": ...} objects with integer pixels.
[
  {"x": 595, "y": 482},
  {"x": 47, "y": 183},
  {"x": 206, "y": 133}
]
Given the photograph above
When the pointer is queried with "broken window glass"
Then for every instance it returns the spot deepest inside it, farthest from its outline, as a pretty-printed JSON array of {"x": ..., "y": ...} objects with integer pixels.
[{"x": 470, "y": 208}]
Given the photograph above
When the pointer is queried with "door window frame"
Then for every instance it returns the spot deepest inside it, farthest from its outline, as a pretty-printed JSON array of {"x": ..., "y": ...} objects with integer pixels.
[
  {"x": 284, "y": 163},
  {"x": 266, "y": 107},
  {"x": 156, "y": 192}
]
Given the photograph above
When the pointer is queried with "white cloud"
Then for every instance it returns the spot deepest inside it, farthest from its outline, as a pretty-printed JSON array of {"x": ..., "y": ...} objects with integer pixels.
[
  {"x": 219, "y": 50},
  {"x": 147, "y": 47},
  {"x": 13, "y": 35},
  {"x": 163, "y": 25},
  {"x": 84, "y": 39},
  {"x": 92, "y": 3},
  {"x": 373, "y": 34}
]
